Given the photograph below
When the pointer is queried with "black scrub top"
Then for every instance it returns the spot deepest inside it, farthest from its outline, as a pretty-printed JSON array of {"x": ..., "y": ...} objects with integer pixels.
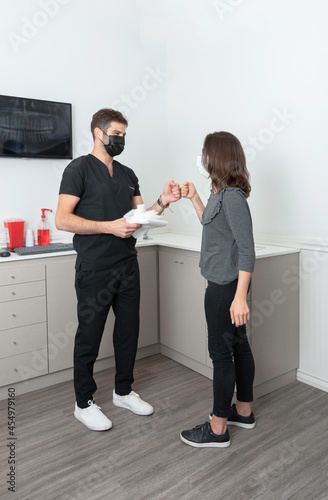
[{"x": 102, "y": 198}]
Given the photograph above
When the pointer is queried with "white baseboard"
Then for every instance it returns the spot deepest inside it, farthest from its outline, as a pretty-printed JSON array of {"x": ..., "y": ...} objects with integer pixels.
[{"x": 312, "y": 380}]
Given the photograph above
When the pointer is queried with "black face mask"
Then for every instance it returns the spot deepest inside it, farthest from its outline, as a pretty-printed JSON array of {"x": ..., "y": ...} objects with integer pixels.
[{"x": 115, "y": 145}]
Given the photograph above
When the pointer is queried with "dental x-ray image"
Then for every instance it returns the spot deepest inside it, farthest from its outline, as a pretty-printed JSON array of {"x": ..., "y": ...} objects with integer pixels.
[{"x": 33, "y": 128}]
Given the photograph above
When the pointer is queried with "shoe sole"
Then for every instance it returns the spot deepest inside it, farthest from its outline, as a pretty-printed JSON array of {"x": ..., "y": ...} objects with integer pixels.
[
  {"x": 76, "y": 415},
  {"x": 238, "y": 424},
  {"x": 126, "y": 407},
  {"x": 205, "y": 445}
]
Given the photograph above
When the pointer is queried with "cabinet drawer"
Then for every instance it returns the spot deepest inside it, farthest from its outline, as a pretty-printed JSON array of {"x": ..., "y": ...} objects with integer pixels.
[
  {"x": 23, "y": 367},
  {"x": 22, "y": 274},
  {"x": 24, "y": 339},
  {"x": 22, "y": 291},
  {"x": 22, "y": 312}
]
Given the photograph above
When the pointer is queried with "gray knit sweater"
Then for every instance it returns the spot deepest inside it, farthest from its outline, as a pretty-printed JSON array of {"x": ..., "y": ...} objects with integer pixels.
[{"x": 227, "y": 240}]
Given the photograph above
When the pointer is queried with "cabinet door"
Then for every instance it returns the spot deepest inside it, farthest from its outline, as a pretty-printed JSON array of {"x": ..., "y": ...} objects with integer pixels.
[
  {"x": 147, "y": 258},
  {"x": 182, "y": 317},
  {"x": 62, "y": 316},
  {"x": 275, "y": 317}
]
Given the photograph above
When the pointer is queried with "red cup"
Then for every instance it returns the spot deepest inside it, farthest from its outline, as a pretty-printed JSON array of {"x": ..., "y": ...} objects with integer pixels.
[{"x": 14, "y": 229}]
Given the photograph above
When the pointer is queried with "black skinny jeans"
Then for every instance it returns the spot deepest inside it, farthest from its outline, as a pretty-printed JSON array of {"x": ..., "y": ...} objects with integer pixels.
[
  {"x": 229, "y": 350},
  {"x": 98, "y": 291}
]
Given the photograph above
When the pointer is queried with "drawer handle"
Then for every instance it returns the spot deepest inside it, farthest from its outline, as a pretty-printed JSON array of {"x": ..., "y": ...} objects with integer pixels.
[
  {"x": 14, "y": 342},
  {"x": 13, "y": 293},
  {"x": 13, "y": 277},
  {"x": 13, "y": 315},
  {"x": 15, "y": 370},
  {"x": 181, "y": 262},
  {"x": 176, "y": 262}
]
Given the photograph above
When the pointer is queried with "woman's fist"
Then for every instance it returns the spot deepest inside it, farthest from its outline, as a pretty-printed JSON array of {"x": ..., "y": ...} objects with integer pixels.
[{"x": 188, "y": 190}]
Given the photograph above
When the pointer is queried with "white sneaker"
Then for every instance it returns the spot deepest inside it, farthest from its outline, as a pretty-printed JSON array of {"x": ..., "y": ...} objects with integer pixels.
[
  {"x": 92, "y": 417},
  {"x": 133, "y": 402}
]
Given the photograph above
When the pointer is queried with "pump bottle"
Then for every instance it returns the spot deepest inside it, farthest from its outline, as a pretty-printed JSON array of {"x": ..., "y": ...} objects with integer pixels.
[{"x": 43, "y": 230}]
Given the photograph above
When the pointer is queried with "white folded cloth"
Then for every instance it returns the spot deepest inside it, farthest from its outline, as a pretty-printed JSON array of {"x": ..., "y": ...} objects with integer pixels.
[{"x": 149, "y": 220}]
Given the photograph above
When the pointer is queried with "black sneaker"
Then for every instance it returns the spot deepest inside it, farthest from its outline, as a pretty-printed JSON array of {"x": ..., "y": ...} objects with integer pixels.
[
  {"x": 235, "y": 419},
  {"x": 202, "y": 436}
]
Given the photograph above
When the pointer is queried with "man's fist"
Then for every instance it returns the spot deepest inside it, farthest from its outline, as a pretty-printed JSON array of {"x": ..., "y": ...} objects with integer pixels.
[{"x": 171, "y": 192}]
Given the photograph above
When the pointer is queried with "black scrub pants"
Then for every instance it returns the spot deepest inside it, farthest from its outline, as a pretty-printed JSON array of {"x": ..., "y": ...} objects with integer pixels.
[
  {"x": 97, "y": 291},
  {"x": 228, "y": 346}
]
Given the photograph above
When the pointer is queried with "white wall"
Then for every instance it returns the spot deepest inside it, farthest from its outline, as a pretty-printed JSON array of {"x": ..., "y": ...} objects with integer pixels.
[
  {"x": 92, "y": 54},
  {"x": 255, "y": 68},
  {"x": 258, "y": 69},
  {"x": 186, "y": 68}
]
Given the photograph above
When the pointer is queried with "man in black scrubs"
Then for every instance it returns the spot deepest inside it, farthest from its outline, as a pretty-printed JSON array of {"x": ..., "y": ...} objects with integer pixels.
[{"x": 95, "y": 192}]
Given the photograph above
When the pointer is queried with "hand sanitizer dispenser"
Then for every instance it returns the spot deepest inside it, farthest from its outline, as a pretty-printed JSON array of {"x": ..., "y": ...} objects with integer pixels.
[{"x": 43, "y": 230}]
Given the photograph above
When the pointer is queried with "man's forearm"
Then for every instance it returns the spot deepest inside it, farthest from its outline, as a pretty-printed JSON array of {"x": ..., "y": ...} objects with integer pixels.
[
  {"x": 157, "y": 208},
  {"x": 75, "y": 224},
  {"x": 78, "y": 225}
]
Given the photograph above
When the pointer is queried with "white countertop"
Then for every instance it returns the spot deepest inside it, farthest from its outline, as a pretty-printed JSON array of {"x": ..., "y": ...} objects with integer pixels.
[
  {"x": 193, "y": 243},
  {"x": 172, "y": 240}
]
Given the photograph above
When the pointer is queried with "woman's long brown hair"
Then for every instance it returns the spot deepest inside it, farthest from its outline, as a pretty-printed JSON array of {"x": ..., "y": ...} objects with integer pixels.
[{"x": 224, "y": 159}]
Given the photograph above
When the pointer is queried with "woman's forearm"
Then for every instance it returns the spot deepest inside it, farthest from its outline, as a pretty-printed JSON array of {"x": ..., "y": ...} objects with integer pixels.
[
  {"x": 244, "y": 279},
  {"x": 239, "y": 310},
  {"x": 198, "y": 205}
]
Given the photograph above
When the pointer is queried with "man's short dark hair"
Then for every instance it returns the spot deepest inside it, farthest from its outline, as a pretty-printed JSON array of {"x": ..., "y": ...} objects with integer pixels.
[{"x": 104, "y": 117}]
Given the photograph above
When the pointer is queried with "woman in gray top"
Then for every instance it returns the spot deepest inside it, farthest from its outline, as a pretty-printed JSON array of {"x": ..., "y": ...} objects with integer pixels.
[{"x": 227, "y": 262}]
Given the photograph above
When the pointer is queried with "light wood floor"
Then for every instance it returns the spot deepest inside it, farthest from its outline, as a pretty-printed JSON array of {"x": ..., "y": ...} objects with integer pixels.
[{"x": 141, "y": 458}]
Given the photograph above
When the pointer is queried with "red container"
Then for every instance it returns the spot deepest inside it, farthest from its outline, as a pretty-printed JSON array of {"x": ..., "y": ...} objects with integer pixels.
[{"x": 14, "y": 229}]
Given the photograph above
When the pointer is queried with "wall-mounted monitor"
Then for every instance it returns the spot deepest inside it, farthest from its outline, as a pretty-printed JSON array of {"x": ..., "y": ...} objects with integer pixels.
[{"x": 33, "y": 128}]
